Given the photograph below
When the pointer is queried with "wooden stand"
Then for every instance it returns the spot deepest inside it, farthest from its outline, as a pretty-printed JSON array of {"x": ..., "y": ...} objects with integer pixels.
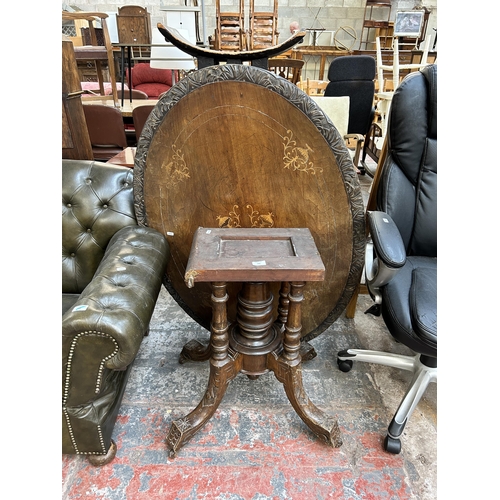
[
  {"x": 255, "y": 343},
  {"x": 209, "y": 57}
]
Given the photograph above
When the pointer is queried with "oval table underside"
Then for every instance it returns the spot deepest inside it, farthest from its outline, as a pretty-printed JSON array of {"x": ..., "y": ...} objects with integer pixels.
[{"x": 236, "y": 153}]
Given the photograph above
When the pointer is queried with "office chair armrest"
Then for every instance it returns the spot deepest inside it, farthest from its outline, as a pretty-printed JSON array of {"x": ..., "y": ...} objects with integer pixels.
[
  {"x": 385, "y": 253},
  {"x": 386, "y": 239}
]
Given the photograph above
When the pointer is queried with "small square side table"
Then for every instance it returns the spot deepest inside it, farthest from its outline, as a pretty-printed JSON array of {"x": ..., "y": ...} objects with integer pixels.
[{"x": 256, "y": 342}]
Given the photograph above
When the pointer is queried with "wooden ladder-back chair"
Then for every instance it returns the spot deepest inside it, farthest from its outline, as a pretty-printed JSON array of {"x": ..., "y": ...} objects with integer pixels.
[
  {"x": 230, "y": 29},
  {"x": 287, "y": 68},
  {"x": 100, "y": 54},
  {"x": 313, "y": 87},
  {"x": 263, "y": 27}
]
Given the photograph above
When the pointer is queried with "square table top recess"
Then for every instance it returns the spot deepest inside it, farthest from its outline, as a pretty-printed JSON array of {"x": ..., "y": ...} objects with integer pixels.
[{"x": 253, "y": 254}]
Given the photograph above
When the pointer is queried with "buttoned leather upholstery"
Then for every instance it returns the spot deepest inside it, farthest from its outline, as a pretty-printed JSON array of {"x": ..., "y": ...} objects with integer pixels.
[{"x": 112, "y": 271}]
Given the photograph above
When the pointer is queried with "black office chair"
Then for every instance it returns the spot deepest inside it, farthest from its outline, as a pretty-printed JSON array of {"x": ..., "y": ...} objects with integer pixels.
[
  {"x": 401, "y": 256},
  {"x": 353, "y": 76}
]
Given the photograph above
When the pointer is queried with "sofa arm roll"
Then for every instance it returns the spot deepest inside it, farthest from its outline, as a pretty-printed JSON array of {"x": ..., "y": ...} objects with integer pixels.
[{"x": 120, "y": 299}]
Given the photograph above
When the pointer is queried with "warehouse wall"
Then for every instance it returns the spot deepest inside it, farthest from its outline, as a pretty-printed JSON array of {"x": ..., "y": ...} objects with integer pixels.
[{"x": 327, "y": 14}]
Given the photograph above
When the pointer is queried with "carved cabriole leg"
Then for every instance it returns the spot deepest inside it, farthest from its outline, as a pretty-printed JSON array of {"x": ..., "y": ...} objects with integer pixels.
[
  {"x": 287, "y": 368},
  {"x": 222, "y": 370}
]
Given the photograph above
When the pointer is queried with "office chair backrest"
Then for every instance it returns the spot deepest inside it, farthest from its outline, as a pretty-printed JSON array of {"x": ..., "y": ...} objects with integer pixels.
[
  {"x": 139, "y": 116},
  {"x": 353, "y": 76},
  {"x": 410, "y": 171},
  {"x": 106, "y": 130}
]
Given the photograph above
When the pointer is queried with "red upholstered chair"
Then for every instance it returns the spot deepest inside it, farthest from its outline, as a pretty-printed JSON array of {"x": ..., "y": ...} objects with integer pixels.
[{"x": 153, "y": 81}]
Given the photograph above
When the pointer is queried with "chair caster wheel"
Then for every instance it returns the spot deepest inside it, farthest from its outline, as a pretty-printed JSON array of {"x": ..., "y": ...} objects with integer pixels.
[
  {"x": 344, "y": 365},
  {"x": 392, "y": 445}
]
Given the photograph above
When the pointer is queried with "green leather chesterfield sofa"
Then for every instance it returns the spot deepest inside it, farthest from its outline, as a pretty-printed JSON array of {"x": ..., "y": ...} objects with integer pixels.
[{"x": 112, "y": 271}]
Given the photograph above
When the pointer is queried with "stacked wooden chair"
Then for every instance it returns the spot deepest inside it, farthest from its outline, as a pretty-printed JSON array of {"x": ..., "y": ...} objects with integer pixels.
[{"x": 263, "y": 27}]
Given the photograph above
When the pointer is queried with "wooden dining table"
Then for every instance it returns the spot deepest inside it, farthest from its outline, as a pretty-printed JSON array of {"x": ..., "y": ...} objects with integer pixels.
[{"x": 127, "y": 107}]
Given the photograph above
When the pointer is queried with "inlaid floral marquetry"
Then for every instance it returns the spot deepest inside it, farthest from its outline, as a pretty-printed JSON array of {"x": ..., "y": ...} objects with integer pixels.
[
  {"x": 253, "y": 217},
  {"x": 235, "y": 146},
  {"x": 176, "y": 169},
  {"x": 298, "y": 158}
]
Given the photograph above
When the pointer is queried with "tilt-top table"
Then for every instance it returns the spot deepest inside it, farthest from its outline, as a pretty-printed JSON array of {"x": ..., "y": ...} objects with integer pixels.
[
  {"x": 237, "y": 148},
  {"x": 261, "y": 339}
]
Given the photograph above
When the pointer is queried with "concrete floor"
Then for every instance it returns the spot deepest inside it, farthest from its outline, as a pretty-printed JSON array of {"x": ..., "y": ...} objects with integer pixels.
[{"x": 255, "y": 446}]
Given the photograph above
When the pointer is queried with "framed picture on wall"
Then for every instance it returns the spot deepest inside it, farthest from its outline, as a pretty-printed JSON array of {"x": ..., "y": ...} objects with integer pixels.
[{"x": 408, "y": 24}]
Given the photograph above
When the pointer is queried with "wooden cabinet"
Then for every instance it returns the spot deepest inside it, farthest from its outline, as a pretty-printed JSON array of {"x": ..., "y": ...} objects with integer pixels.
[{"x": 184, "y": 17}]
